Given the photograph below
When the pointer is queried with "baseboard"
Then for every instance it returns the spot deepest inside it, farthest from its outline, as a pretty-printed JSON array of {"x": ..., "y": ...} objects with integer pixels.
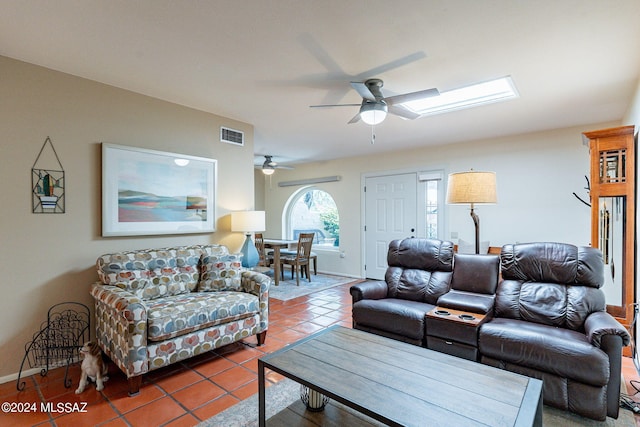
[
  {"x": 333, "y": 273},
  {"x": 14, "y": 376}
]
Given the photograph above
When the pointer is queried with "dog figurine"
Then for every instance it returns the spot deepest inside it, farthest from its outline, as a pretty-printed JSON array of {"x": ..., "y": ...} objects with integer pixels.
[{"x": 93, "y": 367}]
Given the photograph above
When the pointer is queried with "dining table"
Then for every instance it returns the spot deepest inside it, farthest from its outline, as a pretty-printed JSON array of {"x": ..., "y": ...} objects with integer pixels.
[{"x": 276, "y": 245}]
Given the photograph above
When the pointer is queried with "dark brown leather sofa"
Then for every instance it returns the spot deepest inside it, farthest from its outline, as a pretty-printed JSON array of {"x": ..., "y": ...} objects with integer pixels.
[
  {"x": 419, "y": 273},
  {"x": 548, "y": 320},
  {"x": 550, "y": 323}
]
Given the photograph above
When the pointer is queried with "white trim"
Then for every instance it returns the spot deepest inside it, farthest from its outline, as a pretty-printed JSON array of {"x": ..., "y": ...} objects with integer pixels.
[
  {"x": 310, "y": 181},
  {"x": 23, "y": 375},
  {"x": 431, "y": 175}
]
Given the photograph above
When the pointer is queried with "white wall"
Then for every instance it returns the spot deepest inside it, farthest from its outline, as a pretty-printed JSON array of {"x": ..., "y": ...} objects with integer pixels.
[
  {"x": 536, "y": 176},
  {"x": 49, "y": 258}
]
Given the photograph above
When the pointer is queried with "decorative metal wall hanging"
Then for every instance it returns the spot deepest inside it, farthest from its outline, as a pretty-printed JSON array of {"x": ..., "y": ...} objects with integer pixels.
[{"x": 47, "y": 184}]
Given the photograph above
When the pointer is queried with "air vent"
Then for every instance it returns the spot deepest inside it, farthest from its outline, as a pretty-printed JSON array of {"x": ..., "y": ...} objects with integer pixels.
[{"x": 231, "y": 136}]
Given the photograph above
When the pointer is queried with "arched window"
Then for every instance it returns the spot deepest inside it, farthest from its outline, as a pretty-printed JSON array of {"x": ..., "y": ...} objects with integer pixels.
[{"x": 314, "y": 210}]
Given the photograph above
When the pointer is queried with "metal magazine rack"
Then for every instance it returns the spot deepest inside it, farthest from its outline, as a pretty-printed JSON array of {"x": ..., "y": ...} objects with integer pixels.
[{"x": 58, "y": 342}]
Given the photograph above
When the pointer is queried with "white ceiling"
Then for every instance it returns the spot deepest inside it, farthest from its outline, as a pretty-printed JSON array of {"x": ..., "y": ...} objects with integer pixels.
[{"x": 264, "y": 62}]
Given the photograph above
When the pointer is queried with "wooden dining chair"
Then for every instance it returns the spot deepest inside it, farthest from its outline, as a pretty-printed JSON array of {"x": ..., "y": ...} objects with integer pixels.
[
  {"x": 265, "y": 259},
  {"x": 300, "y": 261}
]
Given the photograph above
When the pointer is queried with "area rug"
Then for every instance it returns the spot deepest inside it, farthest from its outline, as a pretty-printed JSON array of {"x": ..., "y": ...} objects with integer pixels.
[
  {"x": 287, "y": 289},
  {"x": 286, "y": 395}
]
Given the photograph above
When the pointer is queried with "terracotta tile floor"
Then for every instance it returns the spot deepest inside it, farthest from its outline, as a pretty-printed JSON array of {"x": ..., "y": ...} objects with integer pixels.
[{"x": 194, "y": 390}]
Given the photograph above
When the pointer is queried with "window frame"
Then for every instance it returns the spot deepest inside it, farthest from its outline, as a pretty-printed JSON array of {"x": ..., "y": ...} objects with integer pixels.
[
  {"x": 287, "y": 226},
  {"x": 424, "y": 177}
]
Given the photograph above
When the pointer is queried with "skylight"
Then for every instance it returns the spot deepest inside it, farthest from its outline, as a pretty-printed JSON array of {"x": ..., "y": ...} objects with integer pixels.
[{"x": 475, "y": 95}]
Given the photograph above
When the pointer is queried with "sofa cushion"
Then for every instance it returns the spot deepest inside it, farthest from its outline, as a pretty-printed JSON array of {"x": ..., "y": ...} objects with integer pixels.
[
  {"x": 177, "y": 315},
  {"x": 553, "y": 263},
  {"x": 553, "y": 304},
  {"x": 417, "y": 285},
  {"x": 467, "y": 301},
  {"x": 220, "y": 271},
  {"x": 401, "y": 317},
  {"x": 476, "y": 273},
  {"x": 419, "y": 269},
  {"x": 421, "y": 254},
  {"x": 559, "y": 351},
  {"x": 152, "y": 273}
]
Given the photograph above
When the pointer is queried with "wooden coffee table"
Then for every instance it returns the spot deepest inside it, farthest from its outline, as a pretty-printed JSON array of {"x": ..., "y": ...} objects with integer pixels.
[{"x": 401, "y": 384}]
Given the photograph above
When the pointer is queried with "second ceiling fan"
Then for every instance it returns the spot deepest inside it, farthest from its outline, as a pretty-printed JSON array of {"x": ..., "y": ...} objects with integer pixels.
[
  {"x": 269, "y": 166},
  {"x": 375, "y": 106}
]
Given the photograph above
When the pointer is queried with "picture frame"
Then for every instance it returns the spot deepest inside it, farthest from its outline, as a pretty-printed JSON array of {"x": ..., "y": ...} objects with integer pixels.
[{"x": 149, "y": 192}]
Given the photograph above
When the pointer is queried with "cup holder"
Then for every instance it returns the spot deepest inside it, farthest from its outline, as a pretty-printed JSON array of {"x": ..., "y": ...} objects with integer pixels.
[
  {"x": 442, "y": 312},
  {"x": 466, "y": 317}
]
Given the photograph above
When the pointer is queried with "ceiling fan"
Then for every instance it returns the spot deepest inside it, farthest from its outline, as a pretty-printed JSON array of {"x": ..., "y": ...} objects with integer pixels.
[
  {"x": 269, "y": 166},
  {"x": 374, "y": 106}
]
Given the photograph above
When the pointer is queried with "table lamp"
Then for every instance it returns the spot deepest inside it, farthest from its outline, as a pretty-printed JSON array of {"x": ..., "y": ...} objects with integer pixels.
[
  {"x": 248, "y": 222},
  {"x": 472, "y": 187}
]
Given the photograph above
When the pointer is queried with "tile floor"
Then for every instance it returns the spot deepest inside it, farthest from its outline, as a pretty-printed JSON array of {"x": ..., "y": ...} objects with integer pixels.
[{"x": 191, "y": 391}]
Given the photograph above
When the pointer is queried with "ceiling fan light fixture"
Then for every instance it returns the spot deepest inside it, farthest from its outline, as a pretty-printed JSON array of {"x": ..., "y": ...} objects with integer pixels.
[
  {"x": 373, "y": 113},
  {"x": 268, "y": 169}
]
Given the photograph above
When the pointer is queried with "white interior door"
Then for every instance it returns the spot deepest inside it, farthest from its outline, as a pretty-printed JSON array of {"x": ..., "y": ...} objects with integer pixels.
[{"x": 390, "y": 213}]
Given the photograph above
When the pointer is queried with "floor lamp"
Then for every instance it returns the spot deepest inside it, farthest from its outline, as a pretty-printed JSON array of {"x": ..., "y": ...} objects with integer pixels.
[
  {"x": 248, "y": 222},
  {"x": 472, "y": 187}
]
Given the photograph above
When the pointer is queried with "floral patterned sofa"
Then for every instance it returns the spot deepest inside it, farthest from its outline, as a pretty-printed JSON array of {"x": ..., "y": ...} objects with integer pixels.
[{"x": 155, "y": 307}]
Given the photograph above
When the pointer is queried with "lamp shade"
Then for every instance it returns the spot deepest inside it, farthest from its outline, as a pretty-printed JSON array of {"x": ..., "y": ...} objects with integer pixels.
[
  {"x": 248, "y": 221},
  {"x": 471, "y": 187}
]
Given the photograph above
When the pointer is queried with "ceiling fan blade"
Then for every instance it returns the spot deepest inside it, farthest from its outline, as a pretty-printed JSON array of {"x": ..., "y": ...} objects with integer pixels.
[
  {"x": 363, "y": 90},
  {"x": 261, "y": 166},
  {"x": 355, "y": 119},
  {"x": 334, "y": 105},
  {"x": 401, "y": 99},
  {"x": 403, "y": 112},
  {"x": 396, "y": 63}
]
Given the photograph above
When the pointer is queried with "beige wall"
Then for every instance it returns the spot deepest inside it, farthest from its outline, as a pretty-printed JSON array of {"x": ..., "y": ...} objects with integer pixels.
[
  {"x": 536, "y": 176},
  {"x": 49, "y": 258}
]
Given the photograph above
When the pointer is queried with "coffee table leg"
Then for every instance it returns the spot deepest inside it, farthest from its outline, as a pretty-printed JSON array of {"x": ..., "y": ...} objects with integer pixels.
[{"x": 261, "y": 395}]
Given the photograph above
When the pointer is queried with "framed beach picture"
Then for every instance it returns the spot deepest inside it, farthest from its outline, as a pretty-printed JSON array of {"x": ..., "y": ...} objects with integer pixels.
[{"x": 155, "y": 192}]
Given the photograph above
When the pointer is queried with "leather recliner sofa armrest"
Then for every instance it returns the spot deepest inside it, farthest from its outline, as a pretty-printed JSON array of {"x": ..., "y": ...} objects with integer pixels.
[
  {"x": 368, "y": 290},
  {"x": 606, "y": 333},
  {"x": 599, "y": 324}
]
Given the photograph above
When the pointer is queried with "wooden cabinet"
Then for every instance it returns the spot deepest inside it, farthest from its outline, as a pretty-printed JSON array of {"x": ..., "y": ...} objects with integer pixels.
[{"x": 613, "y": 206}]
